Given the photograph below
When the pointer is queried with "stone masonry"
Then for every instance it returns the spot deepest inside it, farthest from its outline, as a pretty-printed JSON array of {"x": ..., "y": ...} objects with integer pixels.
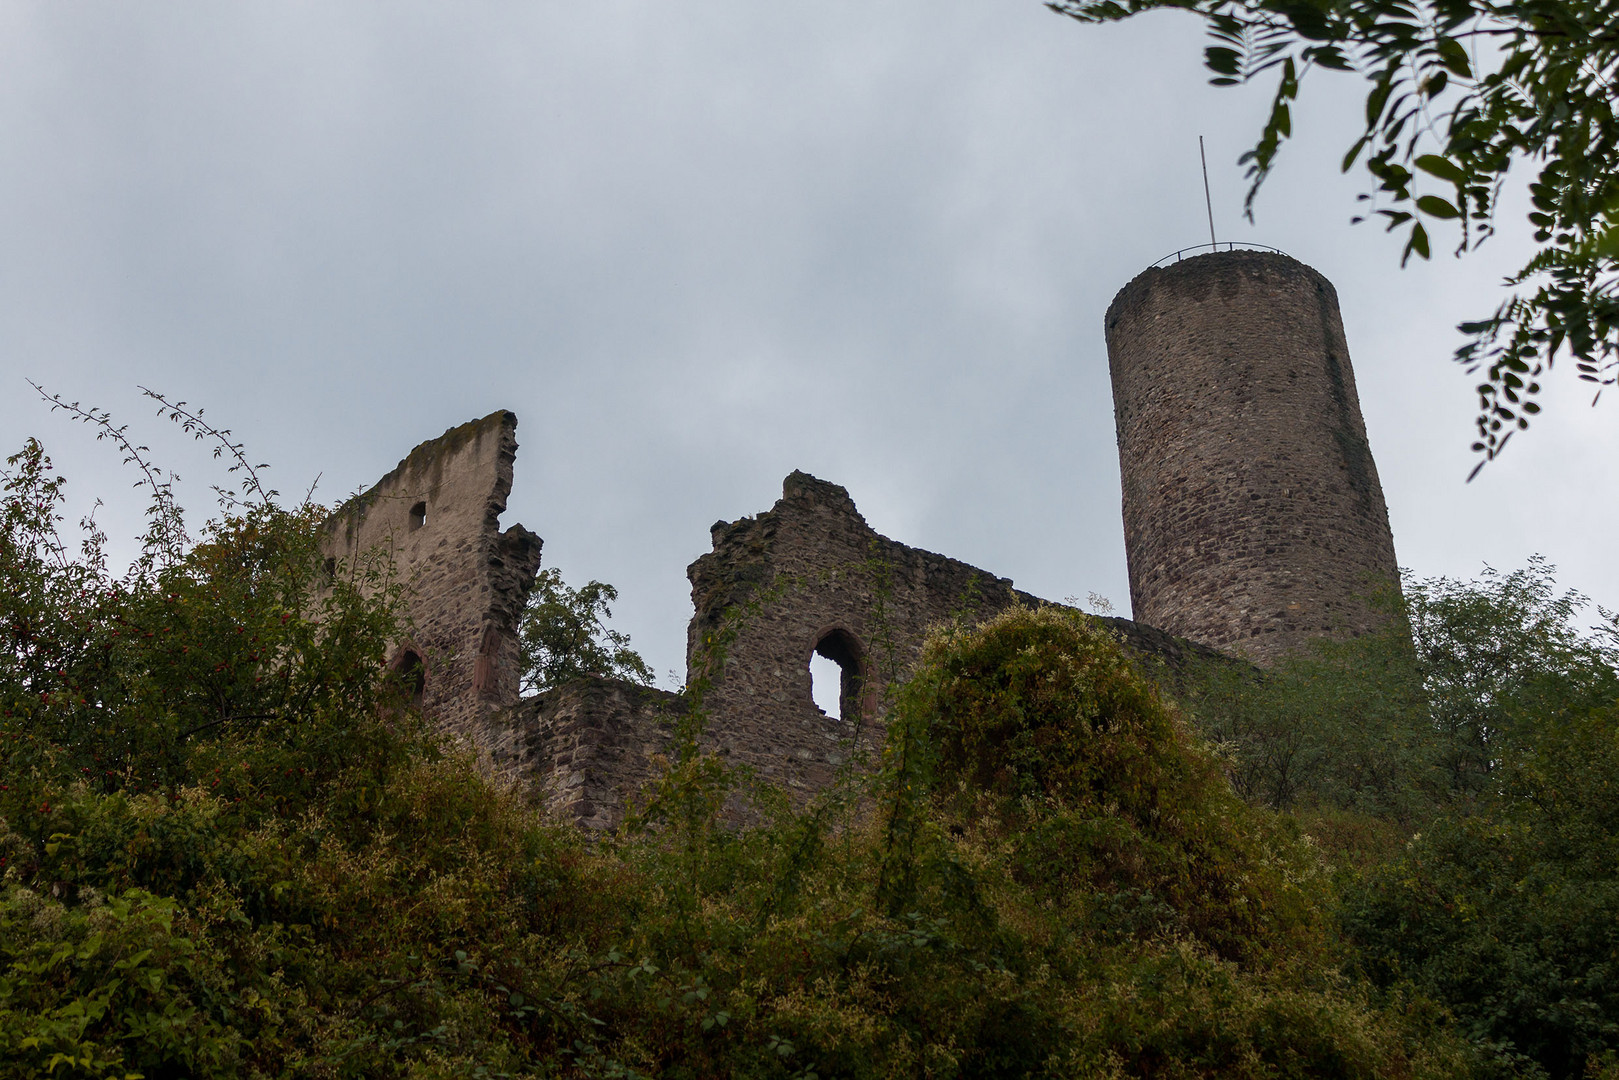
[
  {"x": 1253, "y": 521},
  {"x": 437, "y": 515},
  {"x": 582, "y": 750},
  {"x": 810, "y": 576},
  {"x": 1253, "y": 516},
  {"x": 820, "y": 580}
]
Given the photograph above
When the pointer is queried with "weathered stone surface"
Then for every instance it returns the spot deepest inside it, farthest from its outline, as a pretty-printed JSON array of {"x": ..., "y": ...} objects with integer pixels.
[
  {"x": 1253, "y": 516},
  {"x": 808, "y": 572},
  {"x": 807, "y": 575},
  {"x": 810, "y": 575},
  {"x": 584, "y": 748},
  {"x": 1253, "y": 521},
  {"x": 438, "y": 515}
]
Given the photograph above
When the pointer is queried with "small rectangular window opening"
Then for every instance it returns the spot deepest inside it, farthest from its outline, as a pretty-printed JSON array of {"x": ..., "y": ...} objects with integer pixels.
[
  {"x": 826, "y": 685},
  {"x": 418, "y": 516},
  {"x": 836, "y": 670}
]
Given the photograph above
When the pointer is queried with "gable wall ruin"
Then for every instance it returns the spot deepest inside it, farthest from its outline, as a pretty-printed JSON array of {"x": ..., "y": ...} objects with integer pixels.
[{"x": 437, "y": 517}]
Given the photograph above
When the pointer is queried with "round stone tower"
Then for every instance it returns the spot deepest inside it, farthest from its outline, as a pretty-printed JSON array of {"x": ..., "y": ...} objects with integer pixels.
[{"x": 1253, "y": 517}]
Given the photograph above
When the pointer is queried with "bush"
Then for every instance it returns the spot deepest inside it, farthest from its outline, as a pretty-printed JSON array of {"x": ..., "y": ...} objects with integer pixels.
[
  {"x": 227, "y": 848},
  {"x": 1510, "y": 914},
  {"x": 1460, "y": 776},
  {"x": 1046, "y": 738}
]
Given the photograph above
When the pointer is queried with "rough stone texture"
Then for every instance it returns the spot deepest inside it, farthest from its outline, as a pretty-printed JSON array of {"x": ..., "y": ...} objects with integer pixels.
[
  {"x": 1253, "y": 516},
  {"x": 810, "y": 575},
  {"x": 807, "y": 576},
  {"x": 468, "y": 580},
  {"x": 810, "y": 572},
  {"x": 584, "y": 748}
]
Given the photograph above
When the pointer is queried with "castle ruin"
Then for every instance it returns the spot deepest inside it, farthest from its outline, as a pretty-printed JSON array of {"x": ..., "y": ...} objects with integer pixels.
[
  {"x": 1253, "y": 522},
  {"x": 437, "y": 517}
]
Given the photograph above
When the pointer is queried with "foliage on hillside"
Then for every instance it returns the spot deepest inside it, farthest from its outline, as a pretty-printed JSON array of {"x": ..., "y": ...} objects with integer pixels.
[
  {"x": 1462, "y": 762},
  {"x": 1410, "y": 721},
  {"x": 1511, "y": 913},
  {"x": 229, "y": 849}
]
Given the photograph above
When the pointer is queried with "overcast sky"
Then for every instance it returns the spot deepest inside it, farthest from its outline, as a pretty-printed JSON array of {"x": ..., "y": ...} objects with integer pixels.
[{"x": 695, "y": 247}]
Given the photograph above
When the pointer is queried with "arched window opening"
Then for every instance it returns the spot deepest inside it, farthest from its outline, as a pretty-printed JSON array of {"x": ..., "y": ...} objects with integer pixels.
[
  {"x": 412, "y": 675},
  {"x": 838, "y": 675},
  {"x": 418, "y": 516},
  {"x": 826, "y": 685}
]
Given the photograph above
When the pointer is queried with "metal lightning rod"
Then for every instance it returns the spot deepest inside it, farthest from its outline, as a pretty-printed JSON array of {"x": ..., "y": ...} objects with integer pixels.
[{"x": 1207, "y": 202}]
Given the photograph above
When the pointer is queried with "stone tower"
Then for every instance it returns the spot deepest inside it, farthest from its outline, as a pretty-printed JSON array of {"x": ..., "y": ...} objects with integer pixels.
[{"x": 1253, "y": 517}]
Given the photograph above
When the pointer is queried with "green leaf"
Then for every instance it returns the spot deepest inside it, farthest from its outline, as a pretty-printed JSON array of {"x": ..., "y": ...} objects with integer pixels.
[
  {"x": 1454, "y": 56},
  {"x": 1434, "y": 206},
  {"x": 1443, "y": 168},
  {"x": 1376, "y": 100},
  {"x": 1309, "y": 20},
  {"x": 1220, "y": 59},
  {"x": 1354, "y": 152},
  {"x": 1418, "y": 243}
]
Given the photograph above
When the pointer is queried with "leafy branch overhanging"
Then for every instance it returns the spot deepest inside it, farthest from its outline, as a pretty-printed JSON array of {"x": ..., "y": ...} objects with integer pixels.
[{"x": 1459, "y": 92}]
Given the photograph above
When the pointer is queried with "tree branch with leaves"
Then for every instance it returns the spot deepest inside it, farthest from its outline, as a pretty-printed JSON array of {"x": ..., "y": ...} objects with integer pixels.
[
  {"x": 1459, "y": 94},
  {"x": 564, "y": 636}
]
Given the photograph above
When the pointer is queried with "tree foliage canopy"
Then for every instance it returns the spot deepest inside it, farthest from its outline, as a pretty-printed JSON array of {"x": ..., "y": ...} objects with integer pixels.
[
  {"x": 564, "y": 635},
  {"x": 229, "y": 848},
  {"x": 1412, "y": 720},
  {"x": 1458, "y": 94},
  {"x": 1460, "y": 765}
]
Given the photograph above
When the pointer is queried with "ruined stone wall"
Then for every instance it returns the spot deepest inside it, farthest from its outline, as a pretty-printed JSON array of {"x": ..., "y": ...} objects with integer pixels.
[
  {"x": 584, "y": 749},
  {"x": 807, "y": 576},
  {"x": 819, "y": 578},
  {"x": 437, "y": 515},
  {"x": 1253, "y": 516},
  {"x": 810, "y": 575}
]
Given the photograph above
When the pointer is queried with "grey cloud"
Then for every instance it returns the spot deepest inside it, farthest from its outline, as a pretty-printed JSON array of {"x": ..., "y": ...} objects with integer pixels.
[{"x": 693, "y": 247}]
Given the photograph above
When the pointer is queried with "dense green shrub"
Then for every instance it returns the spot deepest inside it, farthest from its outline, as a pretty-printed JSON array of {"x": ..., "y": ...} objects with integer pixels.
[
  {"x": 1457, "y": 766},
  {"x": 1045, "y": 737},
  {"x": 230, "y": 849},
  {"x": 1511, "y": 913}
]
